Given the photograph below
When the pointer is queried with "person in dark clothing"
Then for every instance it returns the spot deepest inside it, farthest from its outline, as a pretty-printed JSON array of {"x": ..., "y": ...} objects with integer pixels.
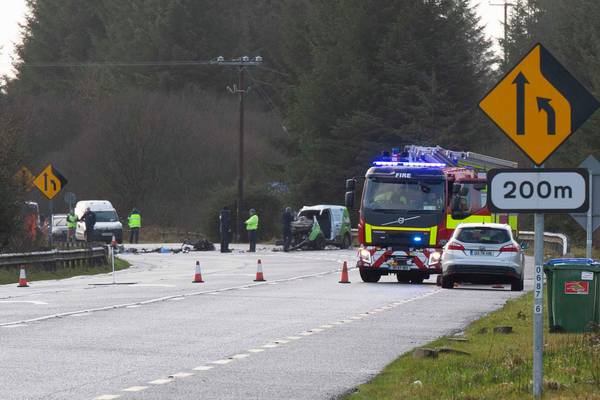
[
  {"x": 89, "y": 218},
  {"x": 225, "y": 229},
  {"x": 286, "y": 221}
]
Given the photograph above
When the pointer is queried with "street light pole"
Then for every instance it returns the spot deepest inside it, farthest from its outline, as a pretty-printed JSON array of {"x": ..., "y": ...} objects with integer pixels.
[{"x": 241, "y": 63}]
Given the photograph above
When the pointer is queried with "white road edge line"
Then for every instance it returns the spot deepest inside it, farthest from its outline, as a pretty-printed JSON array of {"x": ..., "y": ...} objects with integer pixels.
[
  {"x": 165, "y": 298},
  {"x": 135, "y": 389}
]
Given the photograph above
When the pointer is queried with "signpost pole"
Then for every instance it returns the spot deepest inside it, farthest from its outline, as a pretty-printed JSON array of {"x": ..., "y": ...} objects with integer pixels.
[
  {"x": 50, "y": 222},
  {"x": 590, "y": 216},
  {"x": 538, "y": 306}
]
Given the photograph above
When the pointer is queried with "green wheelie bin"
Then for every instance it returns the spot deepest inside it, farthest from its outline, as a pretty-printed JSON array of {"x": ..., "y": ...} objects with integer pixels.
[{"x": 573, "y": 294}]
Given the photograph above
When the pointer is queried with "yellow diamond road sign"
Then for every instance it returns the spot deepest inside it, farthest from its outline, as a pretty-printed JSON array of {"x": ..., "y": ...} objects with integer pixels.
[
  {"x": 50, "y": 181},
  {"x": 538, "y": 104},
  {"x": 24, "y": 178}
]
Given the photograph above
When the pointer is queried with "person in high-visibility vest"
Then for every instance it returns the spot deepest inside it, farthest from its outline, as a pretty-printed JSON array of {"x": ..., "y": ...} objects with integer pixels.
[
  {"x": 135, "y": 223},
  {"x": 252, "y": 227},
  {"x": 71, "y": 225}
]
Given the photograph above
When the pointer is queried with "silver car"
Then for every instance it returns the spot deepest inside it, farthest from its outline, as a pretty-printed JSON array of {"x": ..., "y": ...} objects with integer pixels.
[{"x": 483, "y": 254}]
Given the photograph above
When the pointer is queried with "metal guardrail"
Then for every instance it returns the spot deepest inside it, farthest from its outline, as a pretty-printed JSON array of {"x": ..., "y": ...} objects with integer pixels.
[
  {"x": 53, "y": 257},
  {"x": 558, "y": 240}
]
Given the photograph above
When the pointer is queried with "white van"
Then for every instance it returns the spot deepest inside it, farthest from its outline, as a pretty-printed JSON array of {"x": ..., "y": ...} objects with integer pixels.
[{"x": 107, "y": 221}]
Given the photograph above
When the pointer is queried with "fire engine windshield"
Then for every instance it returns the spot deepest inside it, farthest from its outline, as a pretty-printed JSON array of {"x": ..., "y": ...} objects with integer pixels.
[{"x": 407, "y": 196}]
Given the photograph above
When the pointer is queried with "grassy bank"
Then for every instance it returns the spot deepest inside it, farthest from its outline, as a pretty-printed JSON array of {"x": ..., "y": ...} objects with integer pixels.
[
  {"x": 497, "y": 366},
  {"x": 36, "y": 273}
]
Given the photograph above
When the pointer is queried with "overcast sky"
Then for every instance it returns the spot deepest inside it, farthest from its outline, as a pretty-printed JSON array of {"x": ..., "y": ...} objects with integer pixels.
[{"x": 13, "y": 14}]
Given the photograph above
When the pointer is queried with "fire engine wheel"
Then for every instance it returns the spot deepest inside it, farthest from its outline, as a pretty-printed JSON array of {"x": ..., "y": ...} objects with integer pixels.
[
  {"x": 369, "y": 276},
  {"x": 417, "y": 281},
  {"x": 447, "y": 283},
  {"x": 402, "y": 279}
]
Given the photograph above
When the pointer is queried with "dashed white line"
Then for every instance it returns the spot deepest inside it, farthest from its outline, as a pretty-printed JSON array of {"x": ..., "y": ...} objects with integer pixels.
[
  {"x": 203, "y": 368},
  {"x": 160, "y": 381},
  {"x": 223, "y": 361},
  {"x": 107, "y": 397},
  {"x": 281, "y": 341},
  {"x": 306, "y": 333},
  {"x": 133, "y": 306},
  {"x": 255, "y": 350},
  {"x": 316, "y": 330},
  {"x": 177, "y": 299},
  {"x": 293, "y": 337},
  {"x": 239, "y": 356},
  {"x": 182, "y": 374},
  {"x": 135, "y": 389},
  {"x": 270, "y": 345}
]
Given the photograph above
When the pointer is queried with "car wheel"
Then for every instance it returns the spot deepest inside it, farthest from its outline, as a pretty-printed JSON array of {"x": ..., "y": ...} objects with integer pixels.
[
  {"x": 417, "y": 281},
  {"x": 346, "y": 242},
  {"x": 320, "y": 243},
  {"x": 402, "y": 279},
  {"x": 517, "y": 286},
  {"x": 447, "y": 283},
  {"x": 369, "y": 276}
]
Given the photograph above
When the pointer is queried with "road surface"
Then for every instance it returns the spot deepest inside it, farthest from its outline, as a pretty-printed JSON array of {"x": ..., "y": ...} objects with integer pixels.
[{"x": 157, "y": 335}]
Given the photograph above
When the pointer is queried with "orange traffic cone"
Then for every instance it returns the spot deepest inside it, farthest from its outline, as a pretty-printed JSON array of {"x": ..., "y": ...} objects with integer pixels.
[
  {"x": 22, "y": 278},
  {"x": 198, "y": 274},
  {"x": 259, "y": 273},
  {"x": 344, "y": 278},
  {"x": 113, "y": 242}
]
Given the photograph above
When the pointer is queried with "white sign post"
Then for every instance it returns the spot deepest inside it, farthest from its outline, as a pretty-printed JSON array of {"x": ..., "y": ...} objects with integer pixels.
[{"x": 538, "y": 191}]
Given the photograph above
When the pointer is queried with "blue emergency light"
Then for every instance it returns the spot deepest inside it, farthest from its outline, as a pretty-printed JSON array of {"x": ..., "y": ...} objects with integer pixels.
[
  {"x": 417, "y": 239},
  {"x": 409, "y": 164}
]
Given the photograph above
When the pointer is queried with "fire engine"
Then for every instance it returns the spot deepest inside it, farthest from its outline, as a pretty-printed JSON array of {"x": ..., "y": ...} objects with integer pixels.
[{"x": 411, "y": 203}]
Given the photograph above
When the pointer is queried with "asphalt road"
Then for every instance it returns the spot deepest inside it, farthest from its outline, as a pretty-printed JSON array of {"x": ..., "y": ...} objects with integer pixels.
[{"x": 157, "y": 335}]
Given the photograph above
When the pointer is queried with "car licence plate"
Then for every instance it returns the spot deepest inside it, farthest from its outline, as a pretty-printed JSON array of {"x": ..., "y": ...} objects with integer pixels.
[
  {"x": 400, "y": 267},
  {"x": 107, "y": 234},
  {"x": 481, "y": 253}
]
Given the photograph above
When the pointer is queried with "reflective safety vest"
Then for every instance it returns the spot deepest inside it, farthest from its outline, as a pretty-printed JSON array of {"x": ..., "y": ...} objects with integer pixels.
[
  {"x": 252, "y": 223},
  {"x": 135, "y": 220},
  {"x": 71, "y": 221}
]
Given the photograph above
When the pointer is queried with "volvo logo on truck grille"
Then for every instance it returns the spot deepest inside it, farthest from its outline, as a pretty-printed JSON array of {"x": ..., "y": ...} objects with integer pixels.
[{"x": 401, "y": 220}]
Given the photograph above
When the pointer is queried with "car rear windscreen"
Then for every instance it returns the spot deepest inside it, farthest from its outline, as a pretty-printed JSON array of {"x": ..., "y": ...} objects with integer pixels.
[{"x": 483, "y": 235}]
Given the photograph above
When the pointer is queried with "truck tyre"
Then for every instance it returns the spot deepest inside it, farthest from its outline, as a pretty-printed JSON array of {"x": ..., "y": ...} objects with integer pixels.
[
  {"x": 346, "y": 242},
  {"x": 369, "y": 276},
  {"x": 447, "y": 283},
  {"x": 417, "y": 281},
  {"x": 517, "y": 286},
  {"x": 402, "y": 278},
  {"x": 320, "y": 243}
]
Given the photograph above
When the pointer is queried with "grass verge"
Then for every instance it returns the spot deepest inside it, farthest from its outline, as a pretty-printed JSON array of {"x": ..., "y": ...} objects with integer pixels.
[
  {"x": 497, "y": 366},
  {"x": 36, "y": 273}
]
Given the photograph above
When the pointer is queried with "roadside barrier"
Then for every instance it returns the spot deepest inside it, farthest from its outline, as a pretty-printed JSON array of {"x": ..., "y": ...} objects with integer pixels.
[
  {"x": 259, "y": 272},
  {"x": 198, "y": 274},
  {"x": 344, "y": 278},
  {"x": 22, "y": 278},
  {"x": 52, "y": 259}
]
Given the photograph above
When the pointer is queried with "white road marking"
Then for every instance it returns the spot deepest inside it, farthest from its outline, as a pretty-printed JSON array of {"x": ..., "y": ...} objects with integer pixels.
[
  {"x": 356, "y": 317},
  {"x": 281, "y": 341},
  {"x": 238, "y": 356},
  {"x": 151, "y": 285},
  {"x": 346, "y": 321},
  {"x": 327, "y": 326},
  {"x": 203, "y": 368},
  {"x": 222, "y": 362},
  {"x": 36, "y": 302},
  {"x": 316, "y": 330},
  {"x": 293, "y": 337},
  {"x": 161, "y": 299},
  {"x": 255, "y": 350},
  {"x": 14, "y": 326},
  {"x": 160, "y": 381},
  {"x": 177, "y": 299},
  {"x": 135, "y": 389},
  {"x": 182, "y": 374},
  {"x": 107, "y": 397},
  {"x": 80, "y": 315},
  {"x": 134, "y": 306},
  {"x": 306, "y": 333},
  {"x": 270, "y": 345}
]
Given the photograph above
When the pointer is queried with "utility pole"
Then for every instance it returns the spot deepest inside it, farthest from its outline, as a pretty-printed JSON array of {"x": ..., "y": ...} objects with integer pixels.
[
  {"x": 241, "y": 63},
  {"x": 504, "y": 4}
]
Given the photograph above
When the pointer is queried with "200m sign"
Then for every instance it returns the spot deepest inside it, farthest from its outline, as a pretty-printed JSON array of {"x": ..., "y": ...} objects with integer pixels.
[{"x": 551, "y": 190}]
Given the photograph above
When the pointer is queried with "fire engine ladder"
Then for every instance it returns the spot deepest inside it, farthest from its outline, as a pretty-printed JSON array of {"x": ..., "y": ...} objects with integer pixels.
[{"x": 469, "y": 159}]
